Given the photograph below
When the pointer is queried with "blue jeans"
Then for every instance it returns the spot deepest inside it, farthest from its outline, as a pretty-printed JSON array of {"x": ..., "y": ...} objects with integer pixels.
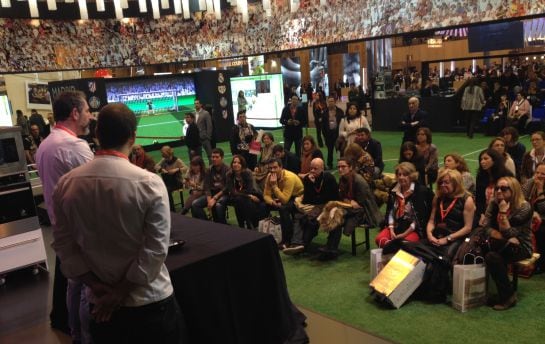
[
  {"x": 78, "y": 311},
  {"x": 218, "y": 211}
]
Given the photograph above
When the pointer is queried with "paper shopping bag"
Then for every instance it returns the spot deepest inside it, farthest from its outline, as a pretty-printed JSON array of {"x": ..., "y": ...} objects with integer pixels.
[{"x": 469, "y": 286}]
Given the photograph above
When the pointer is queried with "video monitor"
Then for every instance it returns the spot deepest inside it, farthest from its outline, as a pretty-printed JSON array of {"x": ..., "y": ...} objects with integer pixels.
[
  {"x": 159, "y": 103},
  {"x": 265, "y": 97}
]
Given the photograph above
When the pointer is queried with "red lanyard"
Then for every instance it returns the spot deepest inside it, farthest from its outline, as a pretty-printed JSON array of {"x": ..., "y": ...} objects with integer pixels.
[
  {"x": 112, "y": 153},
  {"x": 444, "y": 213},
  {"x": 62, "y": 127}
]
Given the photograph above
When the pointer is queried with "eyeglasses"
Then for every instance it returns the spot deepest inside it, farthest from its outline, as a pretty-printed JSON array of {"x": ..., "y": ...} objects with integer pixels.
[{"x": 502, "y": 188}]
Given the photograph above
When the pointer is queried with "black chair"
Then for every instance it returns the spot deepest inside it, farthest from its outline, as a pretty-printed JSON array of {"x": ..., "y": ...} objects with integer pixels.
[{"x": 355, "y": 244}]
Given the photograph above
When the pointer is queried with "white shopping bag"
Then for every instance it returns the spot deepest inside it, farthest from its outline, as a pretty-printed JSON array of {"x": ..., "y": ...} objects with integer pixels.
[
  {"x": 469, "y": 286},
  {"x": 271, "y": 225}
]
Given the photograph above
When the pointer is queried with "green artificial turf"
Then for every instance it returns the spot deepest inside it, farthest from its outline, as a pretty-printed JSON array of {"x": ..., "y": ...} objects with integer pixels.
[{"x": 340, "y": 288}]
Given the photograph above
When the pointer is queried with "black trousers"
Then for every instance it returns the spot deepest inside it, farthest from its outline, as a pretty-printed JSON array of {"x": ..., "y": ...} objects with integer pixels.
[
  {"x": 59, "y": 310},
  {"x": 289, "y": 141},
  {"x": 496, "y": 263},
  {"x": 471, "y": 119},
  {"x": 330, "y": 140},
  {"x": 286, "y": 212},
  {"x": 158, "y": 322}
]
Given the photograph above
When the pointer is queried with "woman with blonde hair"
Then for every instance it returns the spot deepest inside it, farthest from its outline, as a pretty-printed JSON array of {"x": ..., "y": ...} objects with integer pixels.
[
  {"x": 451, "y": 218},
  {"x": 507, "y": 224},
  {"x": 455, "y": 161},
  {"x": 408, "y": 207}
]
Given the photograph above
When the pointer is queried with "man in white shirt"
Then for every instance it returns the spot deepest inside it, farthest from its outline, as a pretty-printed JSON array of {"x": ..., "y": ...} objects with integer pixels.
[
  {"x": 112, "y": 233},
  {"x": 60, "y": 152}
]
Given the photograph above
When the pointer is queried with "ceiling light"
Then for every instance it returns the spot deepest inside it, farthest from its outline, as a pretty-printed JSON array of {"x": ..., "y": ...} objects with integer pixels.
[
  {"x": 100, "y": 6},
  {"x": 5, "y": 3},
  {"x": 155, "y": 8},
  {"x": 33, "y": 6},
  {"x": 177, "y": 6},
  {"x": 143, "y": 6},
  {"x": 217, "y": 9},
  {"x": 51, "y": 5},
  {"x": 124, "y": 4},
  {"x": 118, "y": 9},
  {"x": 185, "y": 7},
  {"x": 165, "y": 5},
  {"x": 83, "y": 9}
]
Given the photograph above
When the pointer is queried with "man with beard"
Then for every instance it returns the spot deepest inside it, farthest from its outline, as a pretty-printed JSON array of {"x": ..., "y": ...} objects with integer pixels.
[{"x": 59, "y": 153}]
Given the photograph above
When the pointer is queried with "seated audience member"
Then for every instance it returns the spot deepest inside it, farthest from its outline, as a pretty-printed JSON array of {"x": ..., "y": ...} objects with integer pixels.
[
  {"x": 289, "y": 160},
  {"x": 353, "y": 120},
  {"x": 214, "y": 186},
  {"x": 281, "y": 188},
  {"x": 408, "y": 207},
  {"x": 330, "y": 127},
  {"x": 497, "y": 121},
  {"x": 534, "y": 193},
  {"x": 140, "y": 158},
  {"x": 361, "y": 161},
  {"x": 320, "y": 187},
  {"x": 243, "y": 134},
  {"x": 371, "y": 146},
  {"x": 309, "y": 152},
  {"x": 451, "y": 217},
  {"x": 512, "y": 145},
  {"x": 491, "y": 168},
  {"x": 409, "y": 153},
  {"x": 507, "y": 225},
  {"x": 262, "y": 168},
  {"x": 243, "y": 194},
  {"x": 359, "y": 206},
  {"x": 520, "y": 112},
  {"x": 533, "y": 157},
  {"x": 31, "y": 143},
  {"x": 194, "y": 182},
  {"x": 192, "y": 137},
  {"x": 171, "y": 169},
  {"x": 429, "y": 153},
  {"x": 455, "y": 161},
  {"x": 498, "y": 144}
]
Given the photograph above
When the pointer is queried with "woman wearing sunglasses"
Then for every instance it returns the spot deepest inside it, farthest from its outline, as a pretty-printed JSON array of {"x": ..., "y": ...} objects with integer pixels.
[{"x": 507, "y": 224}]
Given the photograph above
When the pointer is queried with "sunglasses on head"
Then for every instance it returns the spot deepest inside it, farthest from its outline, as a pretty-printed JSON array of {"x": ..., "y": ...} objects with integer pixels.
[{"x": 502, "y": 188}]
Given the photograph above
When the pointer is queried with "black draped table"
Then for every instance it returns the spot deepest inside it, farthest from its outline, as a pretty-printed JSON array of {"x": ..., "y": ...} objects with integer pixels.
[{"x": 230, "y": 284}]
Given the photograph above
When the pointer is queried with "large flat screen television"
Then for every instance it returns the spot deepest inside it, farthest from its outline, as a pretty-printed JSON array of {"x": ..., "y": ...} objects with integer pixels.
[
  {"x": 159, "y": 103},
  {"x": 265, "y": 97},
  {"x": 498, "y": 36}
]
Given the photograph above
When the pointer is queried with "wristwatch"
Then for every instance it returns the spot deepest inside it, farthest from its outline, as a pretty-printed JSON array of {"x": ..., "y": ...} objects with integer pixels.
[{"x": 449, "y": 238}]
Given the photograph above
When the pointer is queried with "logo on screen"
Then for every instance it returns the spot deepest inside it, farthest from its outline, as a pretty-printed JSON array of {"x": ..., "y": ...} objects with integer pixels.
[
  {"x": 92, "y": 86},
  {"x": 222, "y": 89}
]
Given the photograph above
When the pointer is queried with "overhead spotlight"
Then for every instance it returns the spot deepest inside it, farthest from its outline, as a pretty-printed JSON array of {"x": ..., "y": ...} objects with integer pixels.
[
  {"x": 83, "y": 9},
  {"x": 155, "y": 8},
  {"x": 118, "y": 9},
  {"x": 51, "y": 5},
  {"x": 33, "y": 6},
  {"x": 100, "y": 6},
  {"x": 526, "y": 58},
  {"x": 142, "y": 6},
  {"x": 177, "y": 6}
]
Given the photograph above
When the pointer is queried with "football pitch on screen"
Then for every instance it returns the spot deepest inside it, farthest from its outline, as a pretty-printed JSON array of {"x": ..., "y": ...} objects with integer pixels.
[{"x": 163, "y": 122}]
